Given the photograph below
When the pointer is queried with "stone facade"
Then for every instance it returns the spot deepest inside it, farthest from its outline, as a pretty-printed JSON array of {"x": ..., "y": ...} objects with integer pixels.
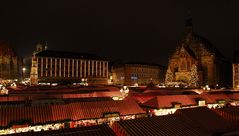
[
  {"x": 57, "y": 66},
  {"x": 196, "y": 50},
  {"x": 137, "y": 73},
  {"x": 9, "y": 62}
]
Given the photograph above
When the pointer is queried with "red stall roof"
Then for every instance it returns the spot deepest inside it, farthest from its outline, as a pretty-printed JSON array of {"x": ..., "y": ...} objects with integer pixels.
[
  {"x": 207, "y": 119},
  {"x": 169, "y": 125},
  {"x": 72, "y": 111},
  {"x": 187, "y": 122},
  {"x": 168, "y": 100}
]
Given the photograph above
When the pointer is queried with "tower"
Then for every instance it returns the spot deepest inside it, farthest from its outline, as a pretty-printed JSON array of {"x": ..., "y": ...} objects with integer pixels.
[
  {"x": 194, "y": 50},
  {"x": 34, "y": 72},
  {"x": 34, "y": 67}
]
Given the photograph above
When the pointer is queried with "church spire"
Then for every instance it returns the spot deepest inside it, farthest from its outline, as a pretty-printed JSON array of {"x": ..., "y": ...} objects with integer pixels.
[{"x": 189, "y": 24}]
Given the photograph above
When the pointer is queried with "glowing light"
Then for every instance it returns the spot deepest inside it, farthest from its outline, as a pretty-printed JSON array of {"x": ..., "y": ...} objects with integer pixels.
[
  {"x": 124, "y": 91},
  {"x": 161, "y": 112},
  {"x": 198, "y": 91},
  {"x": 54, "y": 84},
  {"x": 206, "y": 88},
  {"x": 13, "y": 85},
  {"x": 136, "y": 85},
  {"x": 3, "y": 90},
  {"x": 116, "y": 98}
]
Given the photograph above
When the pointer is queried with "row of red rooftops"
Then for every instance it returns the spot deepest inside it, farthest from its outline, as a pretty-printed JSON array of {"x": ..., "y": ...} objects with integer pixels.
[
  {"x": 199, "y": 121},
  {"x": 135, "y": 105},
  {"x": 73, "y": 111},
  {"x": 96, "y": 109},
  {"x": 147, "y": 99},
  {"x": 167, "y": 101}
]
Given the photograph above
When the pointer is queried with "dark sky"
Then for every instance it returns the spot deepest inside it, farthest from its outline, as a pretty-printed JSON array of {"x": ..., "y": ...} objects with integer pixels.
[{"x": 131, "y": 30}]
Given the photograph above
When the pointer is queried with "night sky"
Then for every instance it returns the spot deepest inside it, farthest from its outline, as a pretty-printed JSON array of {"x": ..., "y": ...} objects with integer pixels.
[{"x": 130, "y": 30}]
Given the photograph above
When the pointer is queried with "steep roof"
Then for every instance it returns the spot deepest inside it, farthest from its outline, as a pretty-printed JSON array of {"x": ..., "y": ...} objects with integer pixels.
[
  {"x": 167, "y": 101},
  {"x": 234, "y": 110},
  {"x": 168, "y": 125},
  {"x": 185, "y": 122},
  {"x": 197, "y": 39},
  {"x": 206, "y": 119},
  {"x": 214, "y": 98},
  {"x": 208, "y": 45}
]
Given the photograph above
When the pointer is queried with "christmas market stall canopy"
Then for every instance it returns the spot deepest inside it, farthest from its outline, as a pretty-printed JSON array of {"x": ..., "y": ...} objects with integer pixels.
[
  {"x": 187, "y": 122},
  {"x": 73, "y": 111}
]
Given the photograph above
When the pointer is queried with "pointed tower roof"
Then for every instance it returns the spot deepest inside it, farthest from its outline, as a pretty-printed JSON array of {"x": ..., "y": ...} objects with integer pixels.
[{"x": 189, "y": 24}]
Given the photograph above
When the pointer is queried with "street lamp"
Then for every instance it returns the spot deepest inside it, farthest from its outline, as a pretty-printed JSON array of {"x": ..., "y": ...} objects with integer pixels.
[{"x": 23, "y": 72}]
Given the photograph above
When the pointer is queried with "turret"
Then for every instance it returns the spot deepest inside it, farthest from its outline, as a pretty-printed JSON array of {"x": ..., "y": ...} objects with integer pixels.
[{"x": 40, "y": 47}]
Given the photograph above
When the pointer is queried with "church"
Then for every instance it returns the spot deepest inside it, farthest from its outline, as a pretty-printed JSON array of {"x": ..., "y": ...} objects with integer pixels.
[
  {"x": 196, "y": 62},
  {"x": 9, "y": 62}
]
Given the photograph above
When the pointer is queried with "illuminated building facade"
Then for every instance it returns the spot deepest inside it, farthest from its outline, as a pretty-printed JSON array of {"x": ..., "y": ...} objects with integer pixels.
[
  {"x": 235, "y": 70},
  {"x": 58, "y": 66},
  {"x": 196, "y": 51},
  {"x": 137, "y": 73},
  {"x": 9, "y": 62}
]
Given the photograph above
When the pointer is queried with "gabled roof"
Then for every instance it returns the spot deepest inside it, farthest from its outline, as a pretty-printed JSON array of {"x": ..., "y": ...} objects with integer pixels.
[
  {"x": 167, "y": 101},
  {"x": 214, "y": 98},
  {"x": 185, "y": 122},
  {"x": 230, "y": 114},
  {"x": 71, "y": 55},
  {"x": 234, "y": 110},
  {"x": 208, "y": 120},
  {"x": 168, "y": 125},
  {"x": 143, "y": 98},
  {"x": 200, "y": 42},
  {"x": 208, "y": 45}
]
